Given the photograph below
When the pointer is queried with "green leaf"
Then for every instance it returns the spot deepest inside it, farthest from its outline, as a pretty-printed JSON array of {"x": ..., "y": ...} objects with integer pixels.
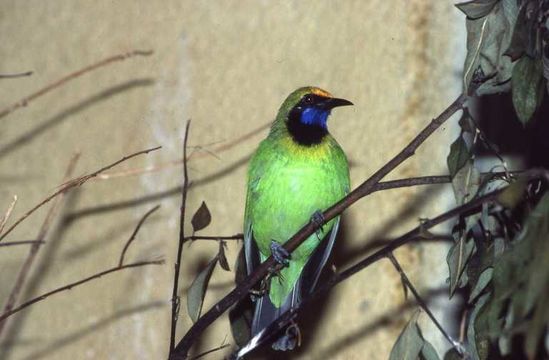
[
  {"x": 458, "y": 156},
  {"x": 519, "y": 40},
  {"x": 409, "y": 343},
  {"x": 197, "y": 291},
  {"x": 428, "y": 352},
  {"x": 201, "y": 217},
  {"x": 487, "y": 39},
  {"x": 457, "y": 258},
  {"x": 475, "y": 9},
  {"x": 466, "y": 184},
  {"x": 534, "y": 333},
  {"x": 477, "y": 339},
  {"x": 527, "y": 87},
  {"x": 483, "y": 280}
]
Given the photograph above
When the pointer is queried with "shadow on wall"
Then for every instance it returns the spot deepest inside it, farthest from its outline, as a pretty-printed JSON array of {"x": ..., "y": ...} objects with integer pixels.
[
  {"x": 73, "y": 110},
  {"x": 500, "y": 124}
]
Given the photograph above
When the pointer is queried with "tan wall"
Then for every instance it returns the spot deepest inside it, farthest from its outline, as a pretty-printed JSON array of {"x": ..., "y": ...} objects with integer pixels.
[{"x": 227, "y": 65}]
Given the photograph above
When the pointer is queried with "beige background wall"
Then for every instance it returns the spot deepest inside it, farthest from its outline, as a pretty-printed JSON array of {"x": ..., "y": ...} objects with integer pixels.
[{"x": 227, "y": 65}]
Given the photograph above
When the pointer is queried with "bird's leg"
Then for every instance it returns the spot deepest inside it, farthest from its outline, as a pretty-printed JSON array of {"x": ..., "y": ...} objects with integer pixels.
[
  {"x": 281, "y": 255},
  {"x": 318, "y": 220}
]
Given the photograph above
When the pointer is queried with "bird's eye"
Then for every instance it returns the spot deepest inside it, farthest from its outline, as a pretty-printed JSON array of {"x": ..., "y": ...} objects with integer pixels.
[{"x": 308, "y": 99}]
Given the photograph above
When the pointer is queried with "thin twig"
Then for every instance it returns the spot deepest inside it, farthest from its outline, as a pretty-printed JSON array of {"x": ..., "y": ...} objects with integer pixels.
[
  {"x": 455, "y": 344},
  {"x": 177, "y": 265},
  {"x": 230, "y": 237},
  {"x": 193, "y": 155},
  {"x": 221, "y": 347},
  {"x": 7, "y": 214},
  {"x": 16, "y": 75},
  {"x": 70, "y": 184},
  {"x": 33, "y": 251},
  {"x": 263, "y": 269},
  {"x": 26, "y": 304},
  {"x": 120, "y": 57},
  {"x": 22, "y": 242},
  {"x": 135, "y": 231}
]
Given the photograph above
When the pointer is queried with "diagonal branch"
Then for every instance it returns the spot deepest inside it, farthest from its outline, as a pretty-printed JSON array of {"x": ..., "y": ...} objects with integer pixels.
[
  {"x": 364, "y": 189},
  {"x": 70, "y": 286},
  {"x": 24, "y": 102},
  {"x": 22, "y": 242},
  {"x": 8, "y": 312},
  {"x": 70, "y": 184},
  {"x": 455, "y": 344},
  {"x": 8, "y": 213},
  {"x": 134, "y": 234},
  {"x": 33, "y": 251},
  {"x": 192, "y": 155},
  {"x": 287, "y": 317}
]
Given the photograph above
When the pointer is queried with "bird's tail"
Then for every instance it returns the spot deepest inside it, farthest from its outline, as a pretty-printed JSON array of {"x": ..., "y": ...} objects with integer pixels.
[{"x": 266, "y": 313}]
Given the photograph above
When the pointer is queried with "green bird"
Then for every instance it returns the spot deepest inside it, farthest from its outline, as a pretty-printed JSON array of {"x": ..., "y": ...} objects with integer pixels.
[{"x": 298, "y": 171}]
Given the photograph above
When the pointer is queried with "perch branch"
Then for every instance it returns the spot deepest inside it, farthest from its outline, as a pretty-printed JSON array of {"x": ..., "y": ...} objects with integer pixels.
[
  {"x": 288, "y": 316},
  {"x": 364, "y": 189}
]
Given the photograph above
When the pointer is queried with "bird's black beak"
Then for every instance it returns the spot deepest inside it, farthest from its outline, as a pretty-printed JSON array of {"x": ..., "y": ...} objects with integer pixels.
[{"x": 331, "y": 103}]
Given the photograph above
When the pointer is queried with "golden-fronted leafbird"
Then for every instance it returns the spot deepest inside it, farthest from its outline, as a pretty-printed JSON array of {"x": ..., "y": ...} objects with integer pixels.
[{"x": 298, "y": 171}]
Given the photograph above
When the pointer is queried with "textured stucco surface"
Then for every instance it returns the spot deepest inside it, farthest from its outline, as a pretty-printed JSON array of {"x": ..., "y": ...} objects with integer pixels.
[{"x": 227, "y": 65}]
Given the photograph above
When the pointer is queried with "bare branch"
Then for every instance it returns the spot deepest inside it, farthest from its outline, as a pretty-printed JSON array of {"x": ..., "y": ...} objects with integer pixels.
[
  {"x": 230, "y": 237},
  {"x": 135, "y": 231},
  {"x": 33, "y": 251},
  {"x": 24, "y": 102},
  {"x": 177, "y": 265},
  {"x": 194, "y": 155},
  {"x": 70, "y": 184},
  {"x": 455, "y": 344},
  {"x": 221, "y": 347},
  {"x": 288, "y": 316},
  {"x": 7, "y": 214},
  {"x": 26, "y": 304}
]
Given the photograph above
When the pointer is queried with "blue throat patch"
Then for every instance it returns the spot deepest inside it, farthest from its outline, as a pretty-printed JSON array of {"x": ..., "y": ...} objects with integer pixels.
[{"x": 315, "y": 116}]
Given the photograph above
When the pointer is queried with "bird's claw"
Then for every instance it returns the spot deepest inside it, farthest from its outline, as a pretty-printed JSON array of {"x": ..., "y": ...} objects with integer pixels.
[
  {"x": 281, "y": 255},
  {"x": 318, "y": 220}
]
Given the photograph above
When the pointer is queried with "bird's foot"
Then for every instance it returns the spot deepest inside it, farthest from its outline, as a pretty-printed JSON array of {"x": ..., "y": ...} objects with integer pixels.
[
  {"x": 318, "y": 220},
  {"x": 281, "y": 255}
]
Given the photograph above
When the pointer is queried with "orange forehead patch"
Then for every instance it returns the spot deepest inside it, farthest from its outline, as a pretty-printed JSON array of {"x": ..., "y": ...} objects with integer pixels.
[{"x": 321, "y": 92}]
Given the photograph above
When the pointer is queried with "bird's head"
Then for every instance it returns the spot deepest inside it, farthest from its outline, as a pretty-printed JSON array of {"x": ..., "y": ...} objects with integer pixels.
[{"x": 305, "y": 114}]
